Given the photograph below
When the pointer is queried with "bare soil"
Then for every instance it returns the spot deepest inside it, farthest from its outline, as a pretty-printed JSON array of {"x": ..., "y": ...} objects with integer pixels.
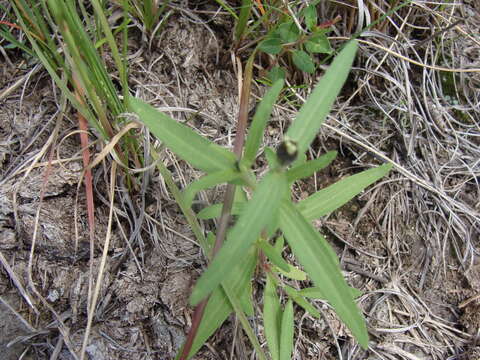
[{"x": 410, "y": 243}]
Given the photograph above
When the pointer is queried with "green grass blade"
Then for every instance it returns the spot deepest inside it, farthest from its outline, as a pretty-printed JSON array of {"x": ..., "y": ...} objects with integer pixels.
[
  {"x": 227, "y": 8},
  {"x": 243, "y": 19},
  {"x": 14, "y": 43},
  {"x": 286, "y": 337},
  {"x": 183, "y": 141},
  {"x": 272, "y": 317},
  {"x": 319, "y": 261},
  {"x": 259, "y": 122},
  {"x": 310, "y": 167},
  {"x": 310, "y": 117},
  {"x": 51, "y": 61},
  {"x": 208, "y": 181},
  {"x": 259, "y": 212},
  {"x": 332, "y": 197}
]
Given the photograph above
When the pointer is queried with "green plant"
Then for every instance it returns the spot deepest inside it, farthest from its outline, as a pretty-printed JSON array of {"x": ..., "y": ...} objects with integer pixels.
[
  {"x": 147, "y": 11},
  {"x": 283, "y": 35},
  {"x": 226, "y": 284},
  {"x": 301, "y": 47}
]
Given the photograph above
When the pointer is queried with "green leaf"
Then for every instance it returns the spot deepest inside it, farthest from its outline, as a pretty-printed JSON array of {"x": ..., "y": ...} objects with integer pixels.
[
  {"x": 318, "y": 260},
  {"x": 318, "y": 293},
  {"x": 214, "y": 211},
  {"x": 288, "y": 32},
  {"x": 332, "y": 197},
  {"x": 241, "y": 24},
  {"x": 208, "y": 181},
  {"x": 273, "y": 255},
  {"x": 261, "y": 210},
  {"x": 310, "y": 117},
  {"x": 276, "y": 73},
  {"x": 293, "y": 273},
  {"x": 259, "y": 122},
  {"x": 218, "y": 307},
  {"x": 271, "y": 157},
  {"x": 183, "y": 141},
  {"x": 319, "y": 44},
  {"x": 300, "y": 300},
  {"x": 271, "y": 45},
  {"x": 279, "y": 244},
  {"x": 310, "y": 167},
  {"x": 310, "y": 14},
  {"x": 303, "y": 61},
  {"x": 286, "y": 337},
  {"x": 13, "y": 42},
  {"x": 272, "y": 317}
]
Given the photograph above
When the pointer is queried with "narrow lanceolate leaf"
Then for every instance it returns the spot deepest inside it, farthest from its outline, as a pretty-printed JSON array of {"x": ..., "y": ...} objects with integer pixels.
[
  {"x": 293, "y": 273},
  {"x": 300, "y": 300},
  {"x": 286, "y": 337},
  {"x": 318, "y": 293},
  {"x": 308, "y": 121},
  {"x": 183, "y": 141},
  {"x": 259, "y": 122},
  {"x": 218, "y": 307},
  {"x": 214, "y": 211},
  {"x": 208, "y": 181},
  {"x": 261, "y": 210},
  {"x": 332, "y": 197},
  {"x": 318, "y": 259},
  {"x": 310, "y": 167},
  {"x": 272, "y": 318},
  {"x": 273, "y": 255}
]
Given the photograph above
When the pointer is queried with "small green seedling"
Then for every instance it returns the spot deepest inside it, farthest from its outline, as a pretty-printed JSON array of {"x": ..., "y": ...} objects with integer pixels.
[
  {"x": 300, "y": 44},
  {"x": 227, "y": 281}
]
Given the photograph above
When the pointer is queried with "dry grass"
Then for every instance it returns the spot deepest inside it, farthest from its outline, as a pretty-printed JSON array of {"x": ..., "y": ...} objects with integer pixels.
[{"x": 410, "y": 243}]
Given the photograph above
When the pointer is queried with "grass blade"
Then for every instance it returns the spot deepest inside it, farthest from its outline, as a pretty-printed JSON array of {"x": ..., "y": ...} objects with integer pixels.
[
  {"x": 241, "y": 25},
  {"x": 332, "y": 197},
  {"x": 310, "y": 117},
  {"x": 321, "y": 264},
  {"x": 259, "y": 212},
  {"x": 183, "y": 141},
  {"x": 272, "y": 317}
]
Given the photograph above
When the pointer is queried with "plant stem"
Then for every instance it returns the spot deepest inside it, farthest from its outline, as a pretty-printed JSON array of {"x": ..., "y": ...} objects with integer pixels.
[{"x": 225, "y": 216}]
